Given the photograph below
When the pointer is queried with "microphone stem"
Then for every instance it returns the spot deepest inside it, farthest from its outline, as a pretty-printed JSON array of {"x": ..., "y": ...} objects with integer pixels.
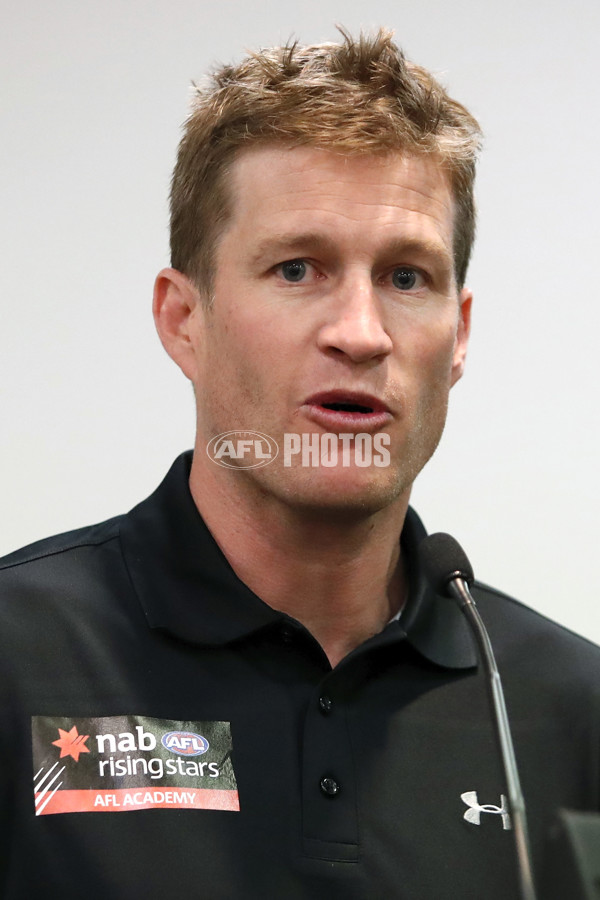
[{"x": 460, "y": 591}]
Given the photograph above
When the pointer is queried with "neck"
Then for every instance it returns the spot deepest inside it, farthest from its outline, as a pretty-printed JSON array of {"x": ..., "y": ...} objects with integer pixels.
[{"x": 340, "y": 575}]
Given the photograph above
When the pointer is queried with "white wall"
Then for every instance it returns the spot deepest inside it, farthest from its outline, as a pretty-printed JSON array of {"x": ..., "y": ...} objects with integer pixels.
[{"x": 92, "y": 410}]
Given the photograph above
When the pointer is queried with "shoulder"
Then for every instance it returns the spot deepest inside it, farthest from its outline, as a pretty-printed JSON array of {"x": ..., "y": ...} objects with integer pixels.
[
  {"x": 61, "y": 553},
  {"x": 59, "y": 546},
  {"x": 67, "y": 609},
  {"x": 532, "y": 645},
  {"x": 63, "y": 572}
]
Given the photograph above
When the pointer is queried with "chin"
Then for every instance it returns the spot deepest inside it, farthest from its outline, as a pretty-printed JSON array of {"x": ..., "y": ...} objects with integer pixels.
[{"x": 343, "y": 491}]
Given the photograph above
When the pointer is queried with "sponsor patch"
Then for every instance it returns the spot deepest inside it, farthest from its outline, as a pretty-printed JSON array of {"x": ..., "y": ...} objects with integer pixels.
[{"x": 127, "y": 763}]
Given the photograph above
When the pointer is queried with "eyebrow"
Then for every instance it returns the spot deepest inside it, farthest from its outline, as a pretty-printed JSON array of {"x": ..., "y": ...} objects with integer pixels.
[{"x": 285, "y": 244}]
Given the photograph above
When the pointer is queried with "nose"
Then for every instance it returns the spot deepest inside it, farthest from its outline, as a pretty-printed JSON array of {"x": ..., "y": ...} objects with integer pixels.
[{"x": 354, "y": 326}]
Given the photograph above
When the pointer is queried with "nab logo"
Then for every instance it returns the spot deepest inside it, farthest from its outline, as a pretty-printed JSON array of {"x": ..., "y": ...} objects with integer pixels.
[
  {"x": 242, "y": 449},
  {"x": 71, "y": 743},
  {"x": 185, "y": 743}
]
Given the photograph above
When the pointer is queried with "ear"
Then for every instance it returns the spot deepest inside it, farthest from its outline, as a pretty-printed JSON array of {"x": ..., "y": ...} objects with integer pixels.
[
  {"x": 177, "y": 308},
  {"x": 462, "y": 334}
]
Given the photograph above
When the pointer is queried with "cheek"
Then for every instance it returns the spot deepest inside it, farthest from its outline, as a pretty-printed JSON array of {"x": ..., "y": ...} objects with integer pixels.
[
  {"x": 432, "y": 356},
  {"x": 237, "y": 366},
  {"x": 262, "y": 350}
]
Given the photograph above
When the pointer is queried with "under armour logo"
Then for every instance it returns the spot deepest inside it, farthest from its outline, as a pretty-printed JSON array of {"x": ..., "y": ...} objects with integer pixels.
[{"x": 473, "y": 814}]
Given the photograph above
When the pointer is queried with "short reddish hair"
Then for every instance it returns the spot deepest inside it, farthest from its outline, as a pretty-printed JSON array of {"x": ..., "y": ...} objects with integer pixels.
[{"x": 360, "y": 96}]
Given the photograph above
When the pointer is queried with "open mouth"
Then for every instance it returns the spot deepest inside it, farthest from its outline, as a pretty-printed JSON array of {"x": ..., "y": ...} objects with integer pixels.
[{"x": 348, "y": 407}]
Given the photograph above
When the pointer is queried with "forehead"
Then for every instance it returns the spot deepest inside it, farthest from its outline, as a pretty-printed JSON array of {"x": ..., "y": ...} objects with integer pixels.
[{"x": 275, "y": 188}]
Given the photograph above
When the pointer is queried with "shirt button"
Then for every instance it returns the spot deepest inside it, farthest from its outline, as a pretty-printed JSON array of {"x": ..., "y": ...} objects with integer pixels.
[
  {"x": 329, "y": 786},
  {"x": 325, "y": 704},
  {"x": 287, "y": 634}
]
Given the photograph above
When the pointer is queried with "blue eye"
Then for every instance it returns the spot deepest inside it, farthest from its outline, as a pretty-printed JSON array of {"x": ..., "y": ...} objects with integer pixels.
[
  {"x": 293, "y": 270},
  {"x": 404, "y": 278}
]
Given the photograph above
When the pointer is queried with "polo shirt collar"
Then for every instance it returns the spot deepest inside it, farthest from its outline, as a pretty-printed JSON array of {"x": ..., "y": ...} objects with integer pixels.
[{"x": 187, "y": 587}]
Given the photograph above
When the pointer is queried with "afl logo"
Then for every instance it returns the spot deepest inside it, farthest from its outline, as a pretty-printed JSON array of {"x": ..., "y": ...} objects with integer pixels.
[
  {"x": 184, "y": 743},
  {"x": 242, "y": 449}
]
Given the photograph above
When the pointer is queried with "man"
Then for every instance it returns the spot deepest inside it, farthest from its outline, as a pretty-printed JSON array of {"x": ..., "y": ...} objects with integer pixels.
[{"x": 245, "y": 687}]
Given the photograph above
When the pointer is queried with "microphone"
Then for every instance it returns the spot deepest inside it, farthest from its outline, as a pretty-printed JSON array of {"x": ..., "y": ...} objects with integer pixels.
[{"x": 450, "y": 574}]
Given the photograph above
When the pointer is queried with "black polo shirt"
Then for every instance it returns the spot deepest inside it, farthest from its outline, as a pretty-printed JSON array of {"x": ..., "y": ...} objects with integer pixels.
[{"x": 165, "y": 733}]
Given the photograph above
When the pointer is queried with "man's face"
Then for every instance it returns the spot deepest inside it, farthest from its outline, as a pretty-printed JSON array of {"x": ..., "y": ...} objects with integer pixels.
[{"x": 334, "y": 311}]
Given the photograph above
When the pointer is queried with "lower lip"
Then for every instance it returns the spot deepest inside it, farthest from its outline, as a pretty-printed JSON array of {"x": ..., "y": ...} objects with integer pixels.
[{"x": 337, "y": 420}]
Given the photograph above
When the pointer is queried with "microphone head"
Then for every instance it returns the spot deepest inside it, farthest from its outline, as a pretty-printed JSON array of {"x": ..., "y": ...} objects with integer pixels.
[{"x": 443, "y": 559}]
